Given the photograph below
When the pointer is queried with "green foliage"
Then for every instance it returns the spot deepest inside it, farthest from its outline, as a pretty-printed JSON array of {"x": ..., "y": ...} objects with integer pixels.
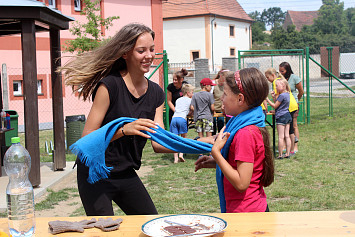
[
  {"x": 333, "y": 27},
  {"x": 89, "y": 34},
  {"x": 331, "y": 18},
  {"x": 350, "y": 19},
  {"x": 258, "y": 28},
  {"x": 273, "y": 16},
  {"x": 257, "y": 31}
]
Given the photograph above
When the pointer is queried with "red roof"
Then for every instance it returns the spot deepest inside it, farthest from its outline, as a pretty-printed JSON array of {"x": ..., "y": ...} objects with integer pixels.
[
  {"x": 301, "y": 18},
  {"x": 185, "y": 8}
]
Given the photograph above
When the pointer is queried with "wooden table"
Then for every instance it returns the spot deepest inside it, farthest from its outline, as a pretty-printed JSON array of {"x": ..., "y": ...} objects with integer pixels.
[{"x": 313, "y": 223}]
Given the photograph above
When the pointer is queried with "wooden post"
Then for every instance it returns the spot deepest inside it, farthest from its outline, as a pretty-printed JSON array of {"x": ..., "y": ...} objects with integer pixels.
[
  {"x": 57, "y": 101},
  {"x": 29, "y": 68}
]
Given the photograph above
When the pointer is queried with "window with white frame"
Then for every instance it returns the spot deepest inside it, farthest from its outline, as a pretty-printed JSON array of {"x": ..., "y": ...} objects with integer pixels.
[
  {"x": 39, "y": 87},
  {"x": 17, "y": 88},
  {"x": 77, "y": 5},
  {"x": 51, "y": 3}
]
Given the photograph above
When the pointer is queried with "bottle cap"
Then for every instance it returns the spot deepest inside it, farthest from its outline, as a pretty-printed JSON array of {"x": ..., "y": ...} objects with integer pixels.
[{"x": 15, "y": 140}]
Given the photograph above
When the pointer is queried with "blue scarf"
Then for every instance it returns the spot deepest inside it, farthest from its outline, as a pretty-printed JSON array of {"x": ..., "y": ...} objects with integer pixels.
[
  {"x": 254, "y": 116},
  {"x": 91, "y": 148}
]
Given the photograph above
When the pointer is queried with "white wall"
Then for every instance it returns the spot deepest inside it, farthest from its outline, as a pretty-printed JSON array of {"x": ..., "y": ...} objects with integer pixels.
[
  {"x": 183, "y": 35},
  {"x": 222, "y": 42}
]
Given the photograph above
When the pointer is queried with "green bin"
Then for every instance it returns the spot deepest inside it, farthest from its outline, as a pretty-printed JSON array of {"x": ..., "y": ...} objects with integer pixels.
[
  {"x": 75, "y": 126},
  {"x": 14, "y": 124}
]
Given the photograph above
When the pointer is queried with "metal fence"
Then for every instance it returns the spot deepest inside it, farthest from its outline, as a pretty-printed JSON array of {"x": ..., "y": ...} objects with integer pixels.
[{"x": 325, "y": 95}]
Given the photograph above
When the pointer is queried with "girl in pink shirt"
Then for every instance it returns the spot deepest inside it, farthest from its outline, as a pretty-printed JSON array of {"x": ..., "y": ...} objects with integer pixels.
[{"x": 248, "y": 164}]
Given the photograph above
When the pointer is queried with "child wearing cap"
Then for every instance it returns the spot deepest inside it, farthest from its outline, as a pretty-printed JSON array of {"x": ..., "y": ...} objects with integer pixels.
[{"x": 202, "y": 104}]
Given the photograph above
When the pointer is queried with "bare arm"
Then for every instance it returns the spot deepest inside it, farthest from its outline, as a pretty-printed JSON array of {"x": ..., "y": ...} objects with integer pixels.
[
  {"x": 158, "y": 119},
  {"x": 240, "y": 178},
  {"x": 99, "y": 110},
  {"x": 169, "y": 98},
  {"x": 274, "y": 105},
  {"x": 299, "y": 87},
  {"x": 265, "y": 105}
]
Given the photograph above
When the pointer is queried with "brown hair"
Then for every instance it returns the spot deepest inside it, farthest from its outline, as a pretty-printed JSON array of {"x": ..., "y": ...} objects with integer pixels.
[
  {"x": 223, "y": 72},
  {"x": 256, "y": 89},
  {"x": 288, "y": 69},
  {"x": 181, "y": 74},
  {"x": 84, "y": 71}
]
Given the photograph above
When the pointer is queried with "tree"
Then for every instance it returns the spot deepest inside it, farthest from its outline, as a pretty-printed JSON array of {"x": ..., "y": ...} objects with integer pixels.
[
  {"x": 273, "y": 16},
  {"x": 257, "y": 27},
  {"x": 350, "y": 19},
  {"x": 89, "y": 34},
  {"x": 331, "y": 18}
]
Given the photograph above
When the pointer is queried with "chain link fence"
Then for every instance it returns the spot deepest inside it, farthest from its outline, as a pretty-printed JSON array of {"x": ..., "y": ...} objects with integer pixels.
[{"x": 327, "y": 95}]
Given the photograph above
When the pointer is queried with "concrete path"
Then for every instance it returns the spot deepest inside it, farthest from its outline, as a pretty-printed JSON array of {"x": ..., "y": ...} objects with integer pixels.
[{"x": 48, "y": 179}]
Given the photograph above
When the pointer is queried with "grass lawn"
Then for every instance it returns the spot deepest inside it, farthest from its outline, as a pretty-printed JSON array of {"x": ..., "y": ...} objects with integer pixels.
[{"x": 319, "y": 177}]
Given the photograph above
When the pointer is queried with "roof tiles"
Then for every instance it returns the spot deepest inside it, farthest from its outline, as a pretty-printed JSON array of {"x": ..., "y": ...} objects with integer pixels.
[{"x": 186, "y": 8}]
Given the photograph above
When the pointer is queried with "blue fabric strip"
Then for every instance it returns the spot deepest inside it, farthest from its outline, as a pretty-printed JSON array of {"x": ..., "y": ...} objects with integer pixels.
[
  {"x": 91, "y": 148},
  {"x": 254, "y": 116}
]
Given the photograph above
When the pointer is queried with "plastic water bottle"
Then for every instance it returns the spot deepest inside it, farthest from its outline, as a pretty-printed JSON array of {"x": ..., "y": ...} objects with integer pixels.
[
  {"x": 3, "y": 119},
  {"x": 19, "y": 191}
]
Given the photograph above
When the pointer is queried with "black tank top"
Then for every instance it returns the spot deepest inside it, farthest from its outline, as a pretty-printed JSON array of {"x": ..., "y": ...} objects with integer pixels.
[{"x": 125, "y": 153}]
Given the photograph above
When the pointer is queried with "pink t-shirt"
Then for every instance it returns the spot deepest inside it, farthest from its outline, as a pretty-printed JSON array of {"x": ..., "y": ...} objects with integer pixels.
[{"x": 247, "y": 146}]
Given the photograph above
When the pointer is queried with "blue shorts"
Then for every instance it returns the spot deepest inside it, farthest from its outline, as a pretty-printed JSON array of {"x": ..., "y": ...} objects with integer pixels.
[
  {"x": 178, "y": 125},
  {"x": 284, "y": 119}
]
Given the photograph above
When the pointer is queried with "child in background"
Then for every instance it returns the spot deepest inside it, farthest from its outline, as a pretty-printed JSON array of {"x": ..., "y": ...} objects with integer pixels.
[
  {"x": 179, "y": 124},
  {"x": 246, "y": 159},
  {"x": 272, "y": 75},
  {"x": 202, "y": 104},
  {"x": 283, "y": 116}
]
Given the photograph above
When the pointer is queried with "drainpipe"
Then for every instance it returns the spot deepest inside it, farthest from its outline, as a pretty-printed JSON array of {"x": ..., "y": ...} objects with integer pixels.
[{"x": 212, "y": 40}]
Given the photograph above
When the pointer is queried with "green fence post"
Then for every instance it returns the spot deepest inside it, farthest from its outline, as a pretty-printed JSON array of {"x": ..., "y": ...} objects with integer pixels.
[
  {"x": 307, "y": 87},
  {"x": 239, "y": 61},
  {"x": 166, "y": 82}
]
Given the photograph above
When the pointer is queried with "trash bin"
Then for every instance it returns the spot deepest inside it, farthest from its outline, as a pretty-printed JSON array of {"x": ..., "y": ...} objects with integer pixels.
[
  {"x": 14, "y": 124},
  {"x": 75, "y": 126}
]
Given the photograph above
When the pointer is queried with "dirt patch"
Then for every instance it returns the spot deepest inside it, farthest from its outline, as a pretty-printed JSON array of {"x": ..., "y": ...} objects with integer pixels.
[{"x": 68, "y": 207}]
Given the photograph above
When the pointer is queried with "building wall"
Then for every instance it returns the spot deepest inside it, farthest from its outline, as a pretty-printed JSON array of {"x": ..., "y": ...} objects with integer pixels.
[
  {"x": 181, "y": 36},
  {"x": 222, "y": 42},
  {"x": 11, "y": 55}
]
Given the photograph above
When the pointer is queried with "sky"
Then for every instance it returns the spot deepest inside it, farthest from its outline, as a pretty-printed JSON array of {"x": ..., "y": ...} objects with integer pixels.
[{"x": 295, "y": 5}]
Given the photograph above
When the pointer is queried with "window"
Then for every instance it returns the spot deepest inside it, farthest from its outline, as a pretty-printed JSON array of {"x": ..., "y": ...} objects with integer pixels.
[
  {"x": 232, "y": 51},
  {"x": 51, "y": 3},
  {"x": 39, "y": 87},
  {"x": 231, "y": 31},
  {"x": 195, "y": 54},
  {"x": 77, "y": 5},
  {"x": 17, "y": 88}
]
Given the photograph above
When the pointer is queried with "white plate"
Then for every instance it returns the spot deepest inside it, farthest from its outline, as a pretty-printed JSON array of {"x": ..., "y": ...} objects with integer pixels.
[{"x": 155, "y": 227}]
